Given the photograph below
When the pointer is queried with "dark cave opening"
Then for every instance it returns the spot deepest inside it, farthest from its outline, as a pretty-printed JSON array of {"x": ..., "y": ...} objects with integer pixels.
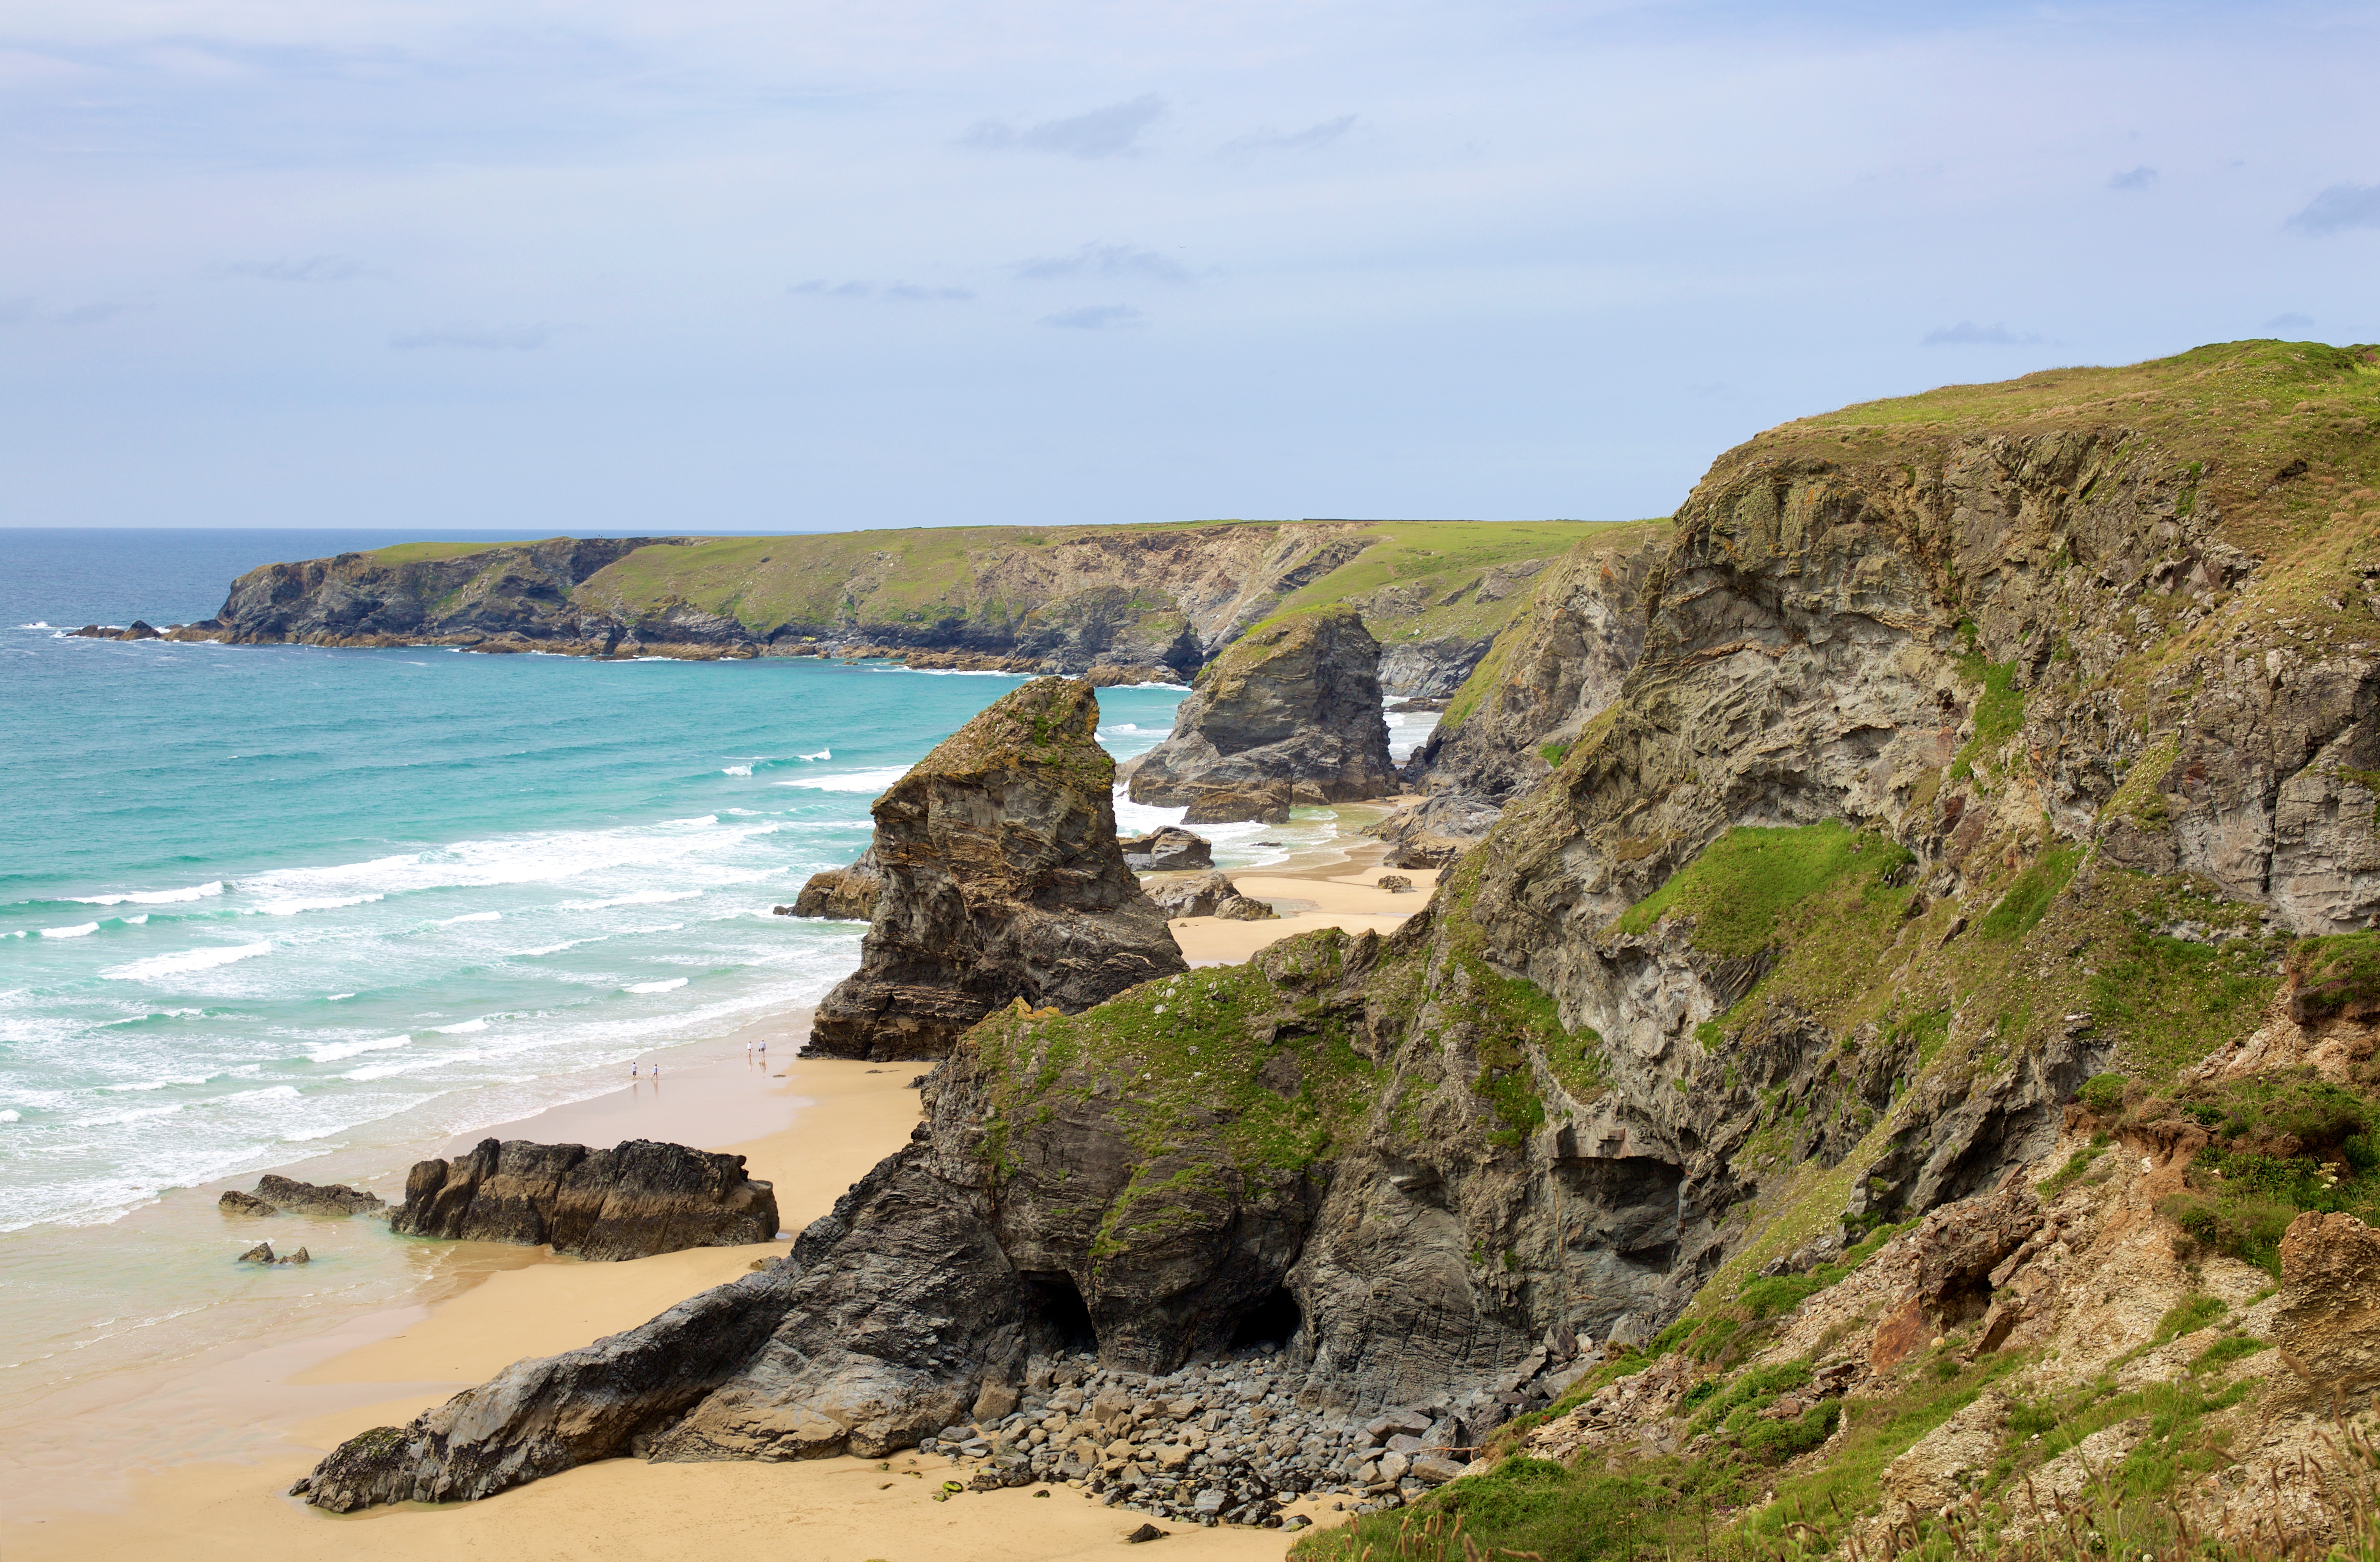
[
  {"x": 1272, "y": 1321},
  {"x": 1059, "y": 1318}
]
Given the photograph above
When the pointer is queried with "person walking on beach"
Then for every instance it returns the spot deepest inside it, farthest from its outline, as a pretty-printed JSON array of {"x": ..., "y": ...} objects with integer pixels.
[
  {"x": 632, "y": 1071},
  {"x": 657, "y": 1073}
]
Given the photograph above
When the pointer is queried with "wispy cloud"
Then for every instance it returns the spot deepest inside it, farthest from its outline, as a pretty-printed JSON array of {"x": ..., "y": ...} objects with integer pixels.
[
  {"x": 2138, "y": 179},
  {"x": 1314, "y": 138},
  {"x": 476, "y": 338},
  {"x": 1967, "y": 333},
  {"x": 2337, "y": 209},
  {"x": 899, "y": 292},
  {"x": 1103, "y": 132},
  {"x": 1106, "y": 259},
  {"x": 314, "y": 268},
  {"x": 92, "y": 314},
  {"x": 1097, "y": 316},
  {"x": 2292, "y": 322}
]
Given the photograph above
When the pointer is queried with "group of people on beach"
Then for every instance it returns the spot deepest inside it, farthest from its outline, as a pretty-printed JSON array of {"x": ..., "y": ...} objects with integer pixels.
[{"x": 638, "y": 1070}]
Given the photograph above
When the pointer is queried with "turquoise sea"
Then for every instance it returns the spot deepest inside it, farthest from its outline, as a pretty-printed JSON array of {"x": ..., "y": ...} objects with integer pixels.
[{"x": 267, "y": 906}]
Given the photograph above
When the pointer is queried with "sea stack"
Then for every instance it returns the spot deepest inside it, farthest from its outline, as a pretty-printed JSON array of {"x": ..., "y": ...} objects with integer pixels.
[
  {"x": 1291, "y": 713},
  {"x": 1003, "y": 880}
]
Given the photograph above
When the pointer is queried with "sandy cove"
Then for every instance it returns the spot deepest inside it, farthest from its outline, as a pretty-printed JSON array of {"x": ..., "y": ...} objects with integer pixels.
[{"x": 383, "y": 1371}]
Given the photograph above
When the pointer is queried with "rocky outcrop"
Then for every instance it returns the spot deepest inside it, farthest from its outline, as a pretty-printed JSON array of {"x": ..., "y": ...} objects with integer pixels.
[
  {"x": 1209, "y": 894},
  {"x": 635, "y": 1200},
  {"x": 1293, "y": 707},
  {"x": 276, "y": 1194},
  {"x": 1003, "y": 880},
  {"x": 844, "y": 894},
  {"x": 262, "y": 1254},
  {"x": 1554, "y": 668},
  {"x": 2328, "y": 1324},
  {"x": 1166, "y": 849},
  {"x": 1434, "y": 831}
]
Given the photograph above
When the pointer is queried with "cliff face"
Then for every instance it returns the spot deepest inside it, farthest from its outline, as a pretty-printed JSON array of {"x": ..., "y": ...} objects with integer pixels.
[
  {"x": 1554, "y": 669},
  {"x": 1000, "y": 878},
  {"x": 1947, "y": 714},
  {"x": 1113, "y": 603},
  {"x": 1291, "y": 713}
]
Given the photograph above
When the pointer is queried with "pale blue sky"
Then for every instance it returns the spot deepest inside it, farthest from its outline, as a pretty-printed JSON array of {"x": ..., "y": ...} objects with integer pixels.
[{"x": 735, "y": 264}]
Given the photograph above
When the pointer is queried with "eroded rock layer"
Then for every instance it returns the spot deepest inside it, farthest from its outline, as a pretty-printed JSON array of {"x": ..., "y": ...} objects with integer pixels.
[{"x": 1003, "y": 880}]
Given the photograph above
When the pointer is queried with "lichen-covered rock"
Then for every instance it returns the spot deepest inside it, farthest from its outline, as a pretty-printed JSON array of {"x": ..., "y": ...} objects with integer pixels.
[
  {"x": 1295, "y": 703},
  {"x": 635, "y": 1200},
  {"x": 844, "y": 894},
  {"x": 309, "y": 1198},
  {"x": 1003, "y": 880}
]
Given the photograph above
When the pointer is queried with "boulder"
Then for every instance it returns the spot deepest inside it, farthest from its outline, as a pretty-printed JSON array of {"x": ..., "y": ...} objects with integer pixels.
[
  {"x": 1395, "y": 883},
  {"x": 1166, "y": 849},
  {"x": 260, "y": 1253},
  {"x": 1433, "y": 832},
  {"x": 309, "y": 1198},
  {"x": 1290, "y": 712},
  {"x": 1004, "y": 880},
  {"x": 632, "y": 1201},
  {"x": 1209, "y": 894},
  {"x": 234, "y": 1202},
  {"x": 844, "y": 894}
]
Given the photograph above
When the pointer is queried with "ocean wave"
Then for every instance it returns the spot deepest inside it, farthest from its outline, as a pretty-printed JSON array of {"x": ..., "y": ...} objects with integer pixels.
[
  {"x": 160, "y": 1083},
  {"x": 1119, "y": 727},
  {"x": 671, "y": 984},
  {"x": 270, "y": 1092},
  {"x": 470, "y": 917},
  {"x": 738, "y": 769},
  {"x": 187, "y": 961},
  {"x": 852, "y": 780},
  {"x": 411, "y": 1066},
  {"x": 41, "y": 626},
  {"x": 950, "y": 672},
  {"x": 338, "y": 996},
  {"x": 640, "y": 898},
  {"x": 821, "y": 754},
  {"x": 140, "y": 921},
  {"x": 554, "y": 949},
  {"x": 137, "y": 1114},
  {"x": 79, "y": 930},
  {"x": 9, "y": 1114},
  {"x": 154, "y": 897},
  {"x": 331, "y": 903},
  {"x": 466, "y": 1028},
  {"x": 337, "y": 1051}
]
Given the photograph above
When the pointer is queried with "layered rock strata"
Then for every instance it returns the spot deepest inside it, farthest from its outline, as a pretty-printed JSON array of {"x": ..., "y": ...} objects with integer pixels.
[
  {"x": 1290, "y": 714},
  {"x": 1003, "y": 880},
  {"x": 635, "y": 1200}
]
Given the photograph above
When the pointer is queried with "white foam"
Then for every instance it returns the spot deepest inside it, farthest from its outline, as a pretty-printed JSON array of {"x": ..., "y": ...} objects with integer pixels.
[
  {"x": 158, "y": 1083},
  {"x": 187, "y": 961},
  {"x": 338, "y": 997},
  {"x": 470, "y": 917},
  {"x": 554, "y": 949},
  {"x": 736, "y": 770},
  {"x": 821, "y": 754},
  {"x": 852, "y": 780},
  {"x": 411, "y": 1066},
  {"x": 330, "y": 902},
  {"x": 154, "y": 897},
  {"x": 949, "y": 672},
  {"x": 1121, "y": 727},
  {"x": 8, "y": 1115},
  {"x": 670, "y": 985},
  {"x": 466, "y": 1028},
  {"x": 337, "y": 1051},
  {"x": 140, "y": 921},
  {"x": 45, "y": 624},
  {"x": 641, "y": 898},
  {"x": 79, "y": 930}
]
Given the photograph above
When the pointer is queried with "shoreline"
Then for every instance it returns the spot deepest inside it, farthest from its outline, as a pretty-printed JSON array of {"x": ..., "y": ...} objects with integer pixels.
[{"x": 185, "y": 1453}]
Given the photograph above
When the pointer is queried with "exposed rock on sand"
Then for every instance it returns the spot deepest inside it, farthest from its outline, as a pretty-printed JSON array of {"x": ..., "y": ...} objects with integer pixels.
[
  {"x": 1290, "y": 714},
  {"x": 1004, "y": 879},
  {"x": 1209, "y": 894},
  {"x": 276, "y": 1194},
  {"x": 1433, "y": 832},
  {"x": 1166, "y": 849},
  {"x": 845, "y": 894},
  {"x": 635, "y": 1200}
]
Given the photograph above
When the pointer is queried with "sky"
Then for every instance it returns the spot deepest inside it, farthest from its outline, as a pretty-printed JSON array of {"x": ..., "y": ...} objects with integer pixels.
[{"x": 771, "y": 264}]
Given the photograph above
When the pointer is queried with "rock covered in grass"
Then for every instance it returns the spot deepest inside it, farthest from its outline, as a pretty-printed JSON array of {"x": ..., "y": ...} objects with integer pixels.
[
  {"x": 1004, "y": 880},
  {"x": 637, "y": 1199},
  {"x": 1291, "y": 713}
]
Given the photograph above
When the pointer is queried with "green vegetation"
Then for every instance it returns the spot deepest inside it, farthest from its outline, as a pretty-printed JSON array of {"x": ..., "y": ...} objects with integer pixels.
[
  {"x": 2176, "y": 999},
  {"x": 1999, "y": 710},
  {"x": 2284, "y": 1142},
  {"x": 2027, "y": 900},
  {"x": 1531, "y": 1507},
  {"x": 2337, "y": 974},
  {"x": 1743, "y": 885}
]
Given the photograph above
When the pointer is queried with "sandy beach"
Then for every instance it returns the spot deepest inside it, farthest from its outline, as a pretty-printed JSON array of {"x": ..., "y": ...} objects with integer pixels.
[{"x": 811, "y": 1126}]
